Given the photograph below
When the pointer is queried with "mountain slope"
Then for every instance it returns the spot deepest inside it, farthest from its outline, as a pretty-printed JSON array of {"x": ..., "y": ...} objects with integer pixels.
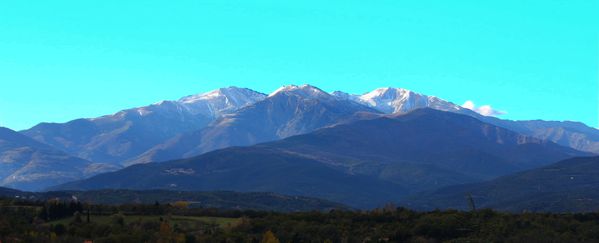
[
  {"x": 363, "y": 164},
  {"x": 443, "y": 140},
  {"x": 570, "y": 185},
  {"x": 30, "y": 165},
  {"x": 248, "y": 170},
  {"x": 128, "y": 133},
  {"x": 288, "y": 111}
]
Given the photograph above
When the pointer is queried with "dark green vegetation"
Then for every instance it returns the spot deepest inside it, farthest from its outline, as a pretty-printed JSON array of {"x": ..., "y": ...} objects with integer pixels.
[
  {"x": 220, "y": 199},
  {"x": 363, "y": 164},
  {"x": 61, "y": 221},
  {"x": 570, "y": 185}
]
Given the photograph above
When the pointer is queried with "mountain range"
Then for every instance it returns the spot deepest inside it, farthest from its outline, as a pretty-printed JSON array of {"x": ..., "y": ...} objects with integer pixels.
[
  {"x": 362, "y": 150},
  {"x": 288, "y": 111},
  {"x": 226, "y": 117},
  {"x": 362, "y": 164},
  {"x": 116, "y": 138}
]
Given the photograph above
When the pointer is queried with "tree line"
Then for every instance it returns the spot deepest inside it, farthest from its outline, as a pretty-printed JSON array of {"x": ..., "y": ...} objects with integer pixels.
[{"x": 72, "y": 221}]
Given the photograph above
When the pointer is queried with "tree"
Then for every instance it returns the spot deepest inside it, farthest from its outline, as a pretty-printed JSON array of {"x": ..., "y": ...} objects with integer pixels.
[
  {"x": 59, "y": 229},
  {"x": 181, "y": 204},
  {"x": 76, "y": 218},
  {"x": 269, "y": 237},
  {"x": 166, "y": 232},
  {"x": 118, "y": 219},
  {"x": 88, "y": 213},
  {"x": 471, "y": 203}
]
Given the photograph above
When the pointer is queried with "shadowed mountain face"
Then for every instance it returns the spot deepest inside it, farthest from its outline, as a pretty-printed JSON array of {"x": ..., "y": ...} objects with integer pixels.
[
  {"x": 8, "y": 192},
  {"x": 126, "y": 134},
  {"x": 248, "y": 170},
  {"x": 289, "y": 111},
  {"x": 363, "y": 164},
  {"x": 426, "y": 137},
  {"x": 570, "y": 185},
  {"x": 29, "y": 165}
]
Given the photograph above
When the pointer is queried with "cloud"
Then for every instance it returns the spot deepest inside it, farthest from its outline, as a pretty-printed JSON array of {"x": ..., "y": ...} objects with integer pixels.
[
  {"x": 485, "y": 110},
  {"x": 468, "y": 105}
]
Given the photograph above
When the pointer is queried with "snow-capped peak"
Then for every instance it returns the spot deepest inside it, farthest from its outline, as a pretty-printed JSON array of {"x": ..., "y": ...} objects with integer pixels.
[
  {"x": 386, "y": 93},
  {"x": 211, "y": 104},
  {"x": 229, "y": 92},
  {"x": 304, "y": 90},
  {"x": 217, "y": 102},
  {"x": 397, "y": 100}
]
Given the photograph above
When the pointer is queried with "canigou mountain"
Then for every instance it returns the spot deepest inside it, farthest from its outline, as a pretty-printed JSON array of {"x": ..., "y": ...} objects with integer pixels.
[{"x": 361, "y": 150}]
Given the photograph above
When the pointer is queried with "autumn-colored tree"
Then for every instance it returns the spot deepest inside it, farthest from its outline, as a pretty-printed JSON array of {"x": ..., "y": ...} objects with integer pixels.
[
  {"x": 269, "y": 237},
  {"x": 181, "y": 204},
  {"x": 165, "y": 228},
  {"x": 166, "y": 232}
]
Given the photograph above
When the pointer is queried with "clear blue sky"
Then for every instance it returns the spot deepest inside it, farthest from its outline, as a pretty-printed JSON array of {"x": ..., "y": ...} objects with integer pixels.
[{"x": 61, "y": 60}]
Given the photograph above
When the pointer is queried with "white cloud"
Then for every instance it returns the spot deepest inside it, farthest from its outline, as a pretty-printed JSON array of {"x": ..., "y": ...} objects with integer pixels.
[
  {"x": 485, "y": 110},
  {"x": 468, "y": 105}
]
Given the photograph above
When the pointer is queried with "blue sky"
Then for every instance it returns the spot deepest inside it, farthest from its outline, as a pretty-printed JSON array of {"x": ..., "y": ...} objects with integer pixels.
[{"x": 61, "y": 60}]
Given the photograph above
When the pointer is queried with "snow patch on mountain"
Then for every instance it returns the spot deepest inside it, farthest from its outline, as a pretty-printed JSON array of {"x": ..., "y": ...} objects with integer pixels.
[
  {"x": 305, "y": 91},
  {"x": 221, "y": 101},
  {"x": 397, "y": 100},
  {"x": 212, "y": 104}
]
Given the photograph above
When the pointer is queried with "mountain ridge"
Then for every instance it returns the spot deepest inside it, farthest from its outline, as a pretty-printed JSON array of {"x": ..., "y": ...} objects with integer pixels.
[
  {"x": 288, "y": 111},
  {"x": 31, "y": 165},
  {"x": 118, "y": 137},
  {"x": 134, "y": 135}
]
